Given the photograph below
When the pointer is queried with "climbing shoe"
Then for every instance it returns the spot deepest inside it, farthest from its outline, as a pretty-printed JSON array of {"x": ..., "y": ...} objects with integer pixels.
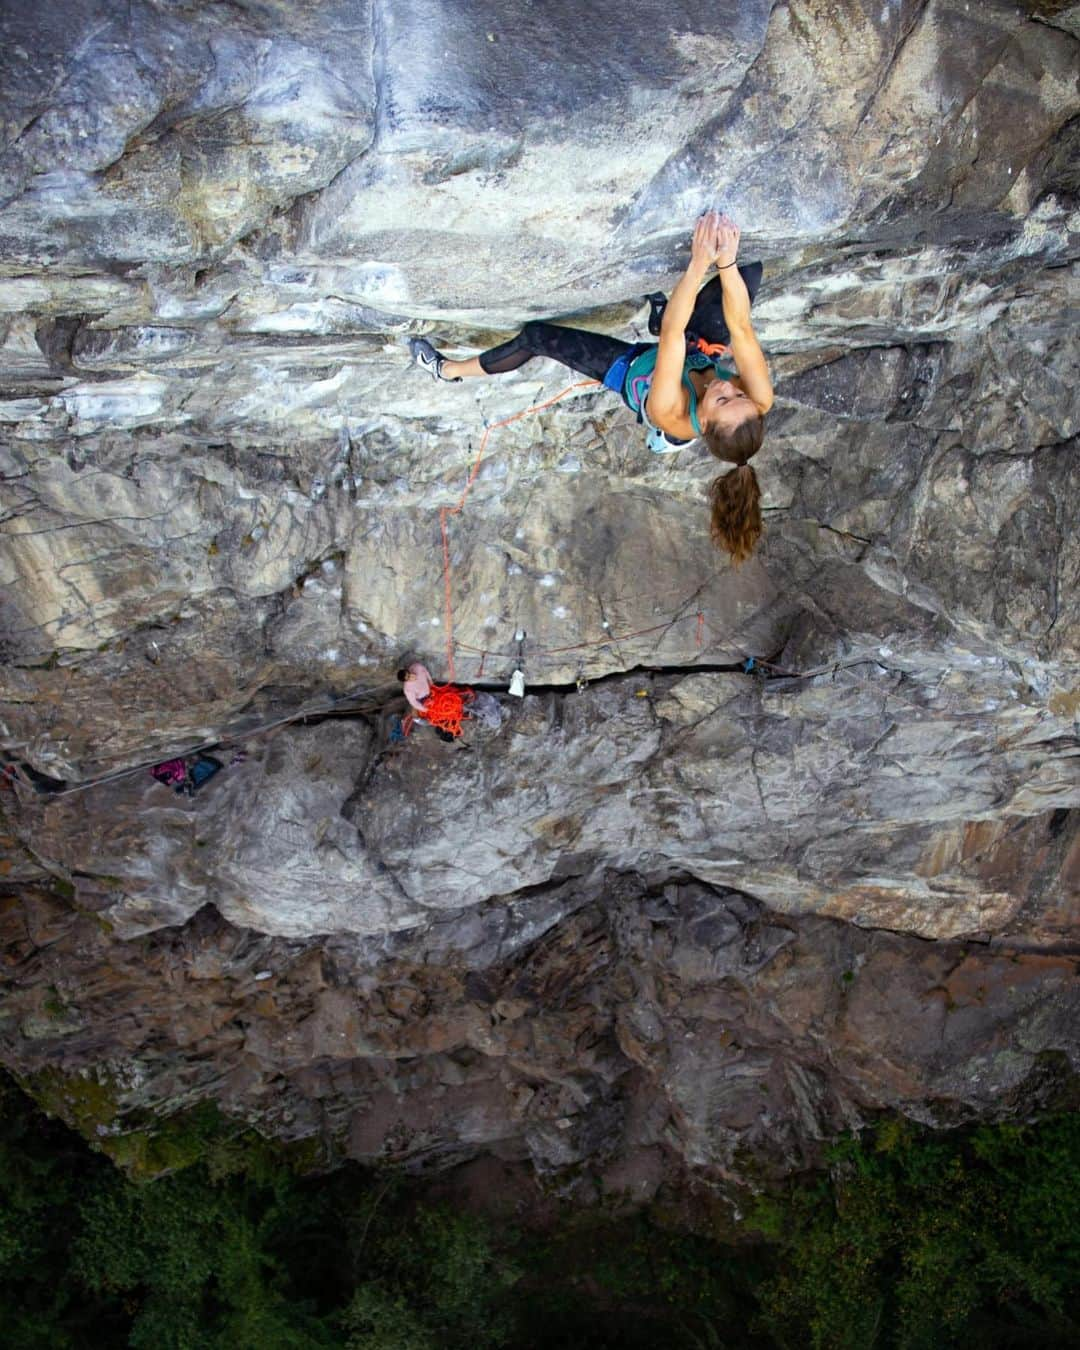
[
  {"x": 427, "y": 358},
  {"x": 657, "y": 304}
]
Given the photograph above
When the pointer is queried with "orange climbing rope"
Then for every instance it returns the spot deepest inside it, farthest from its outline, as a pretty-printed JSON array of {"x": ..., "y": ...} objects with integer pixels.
[
  {"x": 444, "y": 707},
  {"x": 445, "y": 512}
]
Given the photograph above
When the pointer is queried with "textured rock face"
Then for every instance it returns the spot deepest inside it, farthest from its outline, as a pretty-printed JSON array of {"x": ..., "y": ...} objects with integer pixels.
[
  {"x": 887, "y": 794},
  {"x": 635, "y": 1029},
  {"x": 624, "y": 921}
]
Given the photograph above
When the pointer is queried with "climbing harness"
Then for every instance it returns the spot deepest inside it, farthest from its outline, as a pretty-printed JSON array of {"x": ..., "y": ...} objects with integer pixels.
[{"x": 640, "y": 367}]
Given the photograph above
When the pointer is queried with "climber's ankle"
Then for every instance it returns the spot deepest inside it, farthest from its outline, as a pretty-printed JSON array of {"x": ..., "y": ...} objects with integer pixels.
[{"x": 462, "y": 370}]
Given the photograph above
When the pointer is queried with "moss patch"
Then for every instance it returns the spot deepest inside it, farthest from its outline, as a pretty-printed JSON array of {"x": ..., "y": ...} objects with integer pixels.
[
  {"x": 83, "y": 1101},
  {"x": 145, "y": 1147}
]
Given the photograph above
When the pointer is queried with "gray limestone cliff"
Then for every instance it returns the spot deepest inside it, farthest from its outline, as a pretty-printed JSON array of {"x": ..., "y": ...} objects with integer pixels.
[{"x": 678, "y": 912}]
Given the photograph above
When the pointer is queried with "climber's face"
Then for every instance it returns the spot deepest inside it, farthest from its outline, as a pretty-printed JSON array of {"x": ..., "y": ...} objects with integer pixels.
[{"x": 724, "y": 405}]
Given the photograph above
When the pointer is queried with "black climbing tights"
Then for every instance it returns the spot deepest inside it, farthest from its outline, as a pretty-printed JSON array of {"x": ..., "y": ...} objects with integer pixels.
[{"x": 591, "y": 354}]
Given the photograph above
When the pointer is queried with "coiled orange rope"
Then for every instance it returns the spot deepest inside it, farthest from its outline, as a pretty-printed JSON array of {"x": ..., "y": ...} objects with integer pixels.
[{"x": 445, "y": 707}]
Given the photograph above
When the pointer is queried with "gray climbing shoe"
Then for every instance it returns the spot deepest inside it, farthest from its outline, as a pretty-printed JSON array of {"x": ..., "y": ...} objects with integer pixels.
[{"x": 427, "y": 358}]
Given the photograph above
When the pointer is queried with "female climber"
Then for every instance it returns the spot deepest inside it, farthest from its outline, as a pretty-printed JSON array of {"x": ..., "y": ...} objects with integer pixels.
[{"x": 679, "y": 387}]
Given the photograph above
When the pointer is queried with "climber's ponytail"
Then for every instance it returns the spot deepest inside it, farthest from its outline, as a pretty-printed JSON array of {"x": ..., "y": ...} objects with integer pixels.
[
  {"x": 735, "y": 497},
  {"x": 735, "y": 522}
]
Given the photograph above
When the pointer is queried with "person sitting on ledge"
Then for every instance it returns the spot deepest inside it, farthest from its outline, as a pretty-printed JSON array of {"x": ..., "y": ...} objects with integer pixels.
[
  {"x": 680, "y": 387},
  {"x": 444, "y": 706}
]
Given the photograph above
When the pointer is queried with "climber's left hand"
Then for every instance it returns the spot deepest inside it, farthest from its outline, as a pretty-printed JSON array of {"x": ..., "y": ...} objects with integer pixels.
[{"x": 703, "y": 246}]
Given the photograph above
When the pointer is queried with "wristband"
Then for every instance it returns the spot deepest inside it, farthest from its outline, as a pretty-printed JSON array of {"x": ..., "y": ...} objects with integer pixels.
[{"x": 720, "y": 268}]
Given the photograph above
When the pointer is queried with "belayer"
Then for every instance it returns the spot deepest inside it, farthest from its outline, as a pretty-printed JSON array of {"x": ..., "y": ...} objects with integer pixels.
[
  {"x": 444, "y": 706},
  {"x": 682, "y": 387}
]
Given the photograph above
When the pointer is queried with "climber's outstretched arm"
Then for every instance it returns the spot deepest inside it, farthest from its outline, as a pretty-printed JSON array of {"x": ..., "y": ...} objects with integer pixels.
[
  {"x": 750, "y": 359},
  {"x": 666, "y": 404}
]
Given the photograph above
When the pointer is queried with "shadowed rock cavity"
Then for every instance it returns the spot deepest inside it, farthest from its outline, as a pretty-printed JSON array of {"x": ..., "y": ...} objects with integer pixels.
[
  {"x": 600, "y": 1026},
  {"x": 622, "y": 926}
]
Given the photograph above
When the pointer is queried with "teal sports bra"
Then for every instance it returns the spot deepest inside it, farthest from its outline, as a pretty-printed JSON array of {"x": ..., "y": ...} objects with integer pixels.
[{"x": 639, "y": 380}]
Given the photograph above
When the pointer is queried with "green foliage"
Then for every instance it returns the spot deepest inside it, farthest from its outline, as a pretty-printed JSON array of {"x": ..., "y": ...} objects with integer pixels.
[
  {"x": 35, "y": 1185},
  {"x": 237, "y": 1251},
  {"x": 431, "y": 1278},
  {"x": 924, "y": 1242},
  {"x": 909, "y": 1241},
  {"x": 631, "y": 1283},
  {"x": 196, "y": 1261},
  {"x": 171, "y": 1144},
  {"x": 90, "y": 1259},
  {"x": 378, "y": 1319}
]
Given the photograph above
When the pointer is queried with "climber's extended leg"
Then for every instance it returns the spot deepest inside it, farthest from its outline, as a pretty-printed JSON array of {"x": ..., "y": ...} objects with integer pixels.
[
  {"x": 590, "y": 354},
  {"x": 463, "y": 370}
]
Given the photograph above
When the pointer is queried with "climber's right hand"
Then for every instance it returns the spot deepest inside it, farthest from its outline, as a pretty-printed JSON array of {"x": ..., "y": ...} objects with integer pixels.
[
  {"x": 726, "y": 239},
  {"x": 703, "y": 245}
]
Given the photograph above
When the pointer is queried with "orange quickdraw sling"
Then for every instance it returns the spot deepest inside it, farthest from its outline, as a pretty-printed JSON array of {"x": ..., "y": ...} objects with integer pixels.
[{"x": 712, "y": 348}]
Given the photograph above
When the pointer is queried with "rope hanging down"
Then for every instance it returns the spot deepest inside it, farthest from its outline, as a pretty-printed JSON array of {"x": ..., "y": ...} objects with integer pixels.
[{"x": 445, "y": 512}]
